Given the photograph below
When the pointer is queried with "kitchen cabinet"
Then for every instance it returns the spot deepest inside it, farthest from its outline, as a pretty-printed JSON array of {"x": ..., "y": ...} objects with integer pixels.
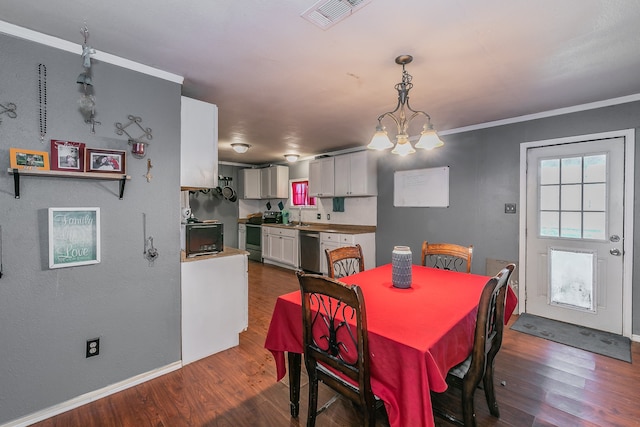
[
  {"x": 274, "y": 182},
  {"x": 214, "y": 303},
  {"x": 281, "y": 247},
  {"x": 198, "y": 144},
  {"x": 355, "y": 175},
  {"x": 251, "y": 183},
  {"x": 321, "y": 177},
  {"x": 242, "y": 237},
  {"x": 337, "y": 240}
]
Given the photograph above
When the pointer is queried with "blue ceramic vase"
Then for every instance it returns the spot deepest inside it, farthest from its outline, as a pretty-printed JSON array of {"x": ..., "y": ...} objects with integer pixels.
[{"x": 401, "y": 262}]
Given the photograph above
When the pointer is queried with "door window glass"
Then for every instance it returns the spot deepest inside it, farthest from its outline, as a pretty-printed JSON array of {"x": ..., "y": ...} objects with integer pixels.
[{"x": 573, "y": 197}]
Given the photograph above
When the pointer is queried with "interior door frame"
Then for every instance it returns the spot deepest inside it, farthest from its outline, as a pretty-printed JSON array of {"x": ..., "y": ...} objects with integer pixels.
[{"x": 629, "y": 175}]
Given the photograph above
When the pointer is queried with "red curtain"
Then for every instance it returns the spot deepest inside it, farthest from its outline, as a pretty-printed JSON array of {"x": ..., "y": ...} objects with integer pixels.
[{"x": 300, "y": 194}]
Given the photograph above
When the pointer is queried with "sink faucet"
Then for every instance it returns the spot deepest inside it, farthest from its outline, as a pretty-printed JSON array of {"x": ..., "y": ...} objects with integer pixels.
[{"x": 300, "y": 216}]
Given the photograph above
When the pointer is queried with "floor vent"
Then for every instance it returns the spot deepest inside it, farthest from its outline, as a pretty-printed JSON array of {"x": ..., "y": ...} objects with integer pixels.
[{"x": 327, "y": 13}]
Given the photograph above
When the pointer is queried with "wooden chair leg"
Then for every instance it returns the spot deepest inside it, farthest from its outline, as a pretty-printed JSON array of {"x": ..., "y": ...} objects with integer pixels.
[
  {"x": 489, "y": 391},
  {"x": 468, "y": 411},
  {"x": 313, "y": 401}
]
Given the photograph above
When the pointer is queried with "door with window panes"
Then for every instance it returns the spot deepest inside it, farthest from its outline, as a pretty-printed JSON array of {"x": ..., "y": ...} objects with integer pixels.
[{"x": 574, "y": 270}]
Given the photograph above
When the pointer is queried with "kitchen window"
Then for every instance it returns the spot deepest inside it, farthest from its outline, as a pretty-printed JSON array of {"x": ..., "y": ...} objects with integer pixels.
[{"x": 300, "y": 194}]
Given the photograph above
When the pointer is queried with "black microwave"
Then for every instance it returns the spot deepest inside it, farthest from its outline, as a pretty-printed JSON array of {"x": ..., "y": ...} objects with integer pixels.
[{"x": 203, "y": 238}]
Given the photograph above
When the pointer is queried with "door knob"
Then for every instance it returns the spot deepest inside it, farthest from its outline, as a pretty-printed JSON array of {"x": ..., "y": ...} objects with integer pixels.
[{"x": 615, "y": 252}]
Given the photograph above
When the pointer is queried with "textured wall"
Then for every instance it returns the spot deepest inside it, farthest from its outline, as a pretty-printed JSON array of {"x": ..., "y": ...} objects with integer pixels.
[{"x": 47, "y": 315}]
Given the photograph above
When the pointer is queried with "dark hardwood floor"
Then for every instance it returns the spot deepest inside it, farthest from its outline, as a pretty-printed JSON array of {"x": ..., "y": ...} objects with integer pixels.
[{"x": 544, "y": 384}]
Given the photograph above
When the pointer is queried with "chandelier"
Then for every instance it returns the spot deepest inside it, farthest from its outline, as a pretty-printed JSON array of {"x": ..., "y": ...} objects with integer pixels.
[{"x": 429, "y": 138}]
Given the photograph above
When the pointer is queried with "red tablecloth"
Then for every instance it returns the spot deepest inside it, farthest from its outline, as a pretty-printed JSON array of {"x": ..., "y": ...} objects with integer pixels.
[{"x": 415, "y": 335}]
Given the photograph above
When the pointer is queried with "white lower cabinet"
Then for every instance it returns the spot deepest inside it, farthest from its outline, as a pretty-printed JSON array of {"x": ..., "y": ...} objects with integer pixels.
[
  {"x": 337, "y": 240},
  {"x": 280, "y": 246},
  {"x": 242, "y": 237}
]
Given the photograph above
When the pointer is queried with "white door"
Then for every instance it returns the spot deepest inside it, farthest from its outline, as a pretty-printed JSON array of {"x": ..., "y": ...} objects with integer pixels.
[{"x": 575, "y": 232}]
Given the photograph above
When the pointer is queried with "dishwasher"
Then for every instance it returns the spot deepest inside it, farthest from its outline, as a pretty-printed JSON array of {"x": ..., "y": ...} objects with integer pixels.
[{"x": 310, "y": 251}]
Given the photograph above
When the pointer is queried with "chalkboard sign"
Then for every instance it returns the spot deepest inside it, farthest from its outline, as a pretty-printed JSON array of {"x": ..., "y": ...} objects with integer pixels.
[
  {"x": 421, "y": 187},
  {"x": 74, "y": 236}
]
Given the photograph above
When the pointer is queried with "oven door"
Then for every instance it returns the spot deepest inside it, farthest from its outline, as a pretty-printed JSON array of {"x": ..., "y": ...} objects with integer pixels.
[{"x": 254, "y": 241}]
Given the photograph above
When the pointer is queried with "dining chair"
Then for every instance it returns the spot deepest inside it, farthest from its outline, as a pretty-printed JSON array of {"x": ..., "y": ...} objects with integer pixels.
[
  {"x": 478, "y": 366},
  {"x": 344, "y": 261},
  {"x": 447, "y": 256},
  {"x": 335, "y": 343}
]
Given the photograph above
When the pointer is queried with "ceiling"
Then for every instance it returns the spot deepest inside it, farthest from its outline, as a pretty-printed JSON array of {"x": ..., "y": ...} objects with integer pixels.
[{"x": 282, "y": 84}]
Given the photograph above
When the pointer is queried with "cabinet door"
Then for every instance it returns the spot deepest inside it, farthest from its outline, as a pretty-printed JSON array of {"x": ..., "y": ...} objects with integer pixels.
[
  {"x": 198, "y": 144},
  {"x": 321, "y": 177},
  {"x": 289, "y": 251},
  {"x": 323, "y": 257},
  {"x": 251, "y": 183},
  {"x": 265, "y": 244},
  {"x": 342, "y": 175},
  {"x": 265, "y": 183},
  {"x": 275, "y": 247},
  {"x": 274, "y": 182}
]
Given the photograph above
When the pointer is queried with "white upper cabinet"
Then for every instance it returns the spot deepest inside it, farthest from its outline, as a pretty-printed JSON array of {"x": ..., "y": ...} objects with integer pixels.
[
  {"x": 321, "y": 177},
  {"x": 274, "y": 182},
  {"x": 355, "y": 175},
  {"x": 198, "y": 144},
  {"x": 251, "y": 183}
]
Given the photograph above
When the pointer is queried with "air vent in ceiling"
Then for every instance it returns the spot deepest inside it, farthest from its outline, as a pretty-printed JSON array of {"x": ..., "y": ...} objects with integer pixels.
[{"x": 327, "y": 13}]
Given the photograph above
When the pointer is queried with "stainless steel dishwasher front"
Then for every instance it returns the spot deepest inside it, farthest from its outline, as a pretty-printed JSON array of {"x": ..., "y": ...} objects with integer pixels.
[{"x": 310, "y": 251}]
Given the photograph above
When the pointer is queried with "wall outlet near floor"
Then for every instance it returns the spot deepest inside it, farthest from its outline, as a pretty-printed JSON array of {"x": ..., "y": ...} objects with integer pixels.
[
  {"x": 328, "y": 217},
  {"x": 318, "y": 216},
  {"x": 93, "y": 347},
  {"x": 510, "y": 208}
]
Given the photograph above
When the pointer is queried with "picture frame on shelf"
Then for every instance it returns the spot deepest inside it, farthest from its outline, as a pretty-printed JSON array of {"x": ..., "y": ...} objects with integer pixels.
[
  {"x": 105, "y": 161},
  {"x": 67, "y": 156},
  {"x": 29, "y": 159},
  {"x": 74, "y": 237}
]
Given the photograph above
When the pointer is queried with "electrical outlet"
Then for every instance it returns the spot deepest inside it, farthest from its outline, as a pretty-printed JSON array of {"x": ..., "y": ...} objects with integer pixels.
[
  {"x": 93, "y": 347},
  {"x": 318, "y": 216},
  {"x": 328, "y": 217},
  {"x": 510, "y": 208}
]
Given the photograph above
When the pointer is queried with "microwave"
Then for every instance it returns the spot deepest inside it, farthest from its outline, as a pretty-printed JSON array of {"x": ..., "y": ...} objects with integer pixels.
[{"x": 202, "y": 238}]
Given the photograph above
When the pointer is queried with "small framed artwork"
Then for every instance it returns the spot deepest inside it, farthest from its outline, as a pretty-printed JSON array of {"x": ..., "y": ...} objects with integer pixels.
[
  {"x": 29, "y": 159},
  {"x": 67, "y": 156},
  {"x": 105, "y": 161},
  {"x": 74, "y": 237}
]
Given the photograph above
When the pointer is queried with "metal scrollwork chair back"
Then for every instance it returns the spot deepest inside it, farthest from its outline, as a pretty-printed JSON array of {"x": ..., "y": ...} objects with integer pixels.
[
  {"x": 344, "y": 261},
  {"x": 447, "y": 256},
  {"x": 478, "y": 366},
  {"x": 335, "y": 342}
]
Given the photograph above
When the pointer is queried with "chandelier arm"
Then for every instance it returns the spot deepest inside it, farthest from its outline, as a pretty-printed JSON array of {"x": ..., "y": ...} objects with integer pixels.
[
  {"x": 419, "y": 113},
  {"x": 390, "y": 114}
]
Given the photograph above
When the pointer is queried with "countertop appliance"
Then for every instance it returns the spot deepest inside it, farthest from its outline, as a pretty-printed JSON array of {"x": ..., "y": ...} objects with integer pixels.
[
  {"x": 202, "y": 238},
  {"x": 310, "y": 251},
  {"x": 272, "y": 217}
]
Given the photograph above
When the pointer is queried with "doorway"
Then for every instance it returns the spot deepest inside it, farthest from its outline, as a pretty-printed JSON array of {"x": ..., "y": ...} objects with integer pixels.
[{"x": 576, "y": 229}]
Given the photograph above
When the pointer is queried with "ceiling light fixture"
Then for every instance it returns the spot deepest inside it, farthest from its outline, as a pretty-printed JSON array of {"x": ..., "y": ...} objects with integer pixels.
[
  {"x": 429, "y": 138},
  {"x": 291, "y": 157},
  {"x": 239, "y": 147}
]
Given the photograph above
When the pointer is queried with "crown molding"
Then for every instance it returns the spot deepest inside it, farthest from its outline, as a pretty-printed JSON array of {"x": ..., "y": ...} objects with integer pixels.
[{"x": 57, "y": 43}]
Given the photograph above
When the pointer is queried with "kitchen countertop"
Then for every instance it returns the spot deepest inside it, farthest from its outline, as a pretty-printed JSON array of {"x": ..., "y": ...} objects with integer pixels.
[
  {"x": 327, "y": 228},
  {"x": 228, "y": 251}
]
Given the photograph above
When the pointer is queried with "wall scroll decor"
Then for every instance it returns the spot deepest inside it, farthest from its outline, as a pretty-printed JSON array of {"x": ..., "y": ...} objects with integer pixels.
[
  {"x": 67, "y": 156},
  {"x": 74, "y": 237},
  {"x": 87, "y": 100},
  {"x": 138, "y": 145},
  {"x": 9, "y": 110}
]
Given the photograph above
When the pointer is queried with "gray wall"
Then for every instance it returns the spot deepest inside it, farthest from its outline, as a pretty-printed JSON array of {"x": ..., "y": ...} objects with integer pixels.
[
  {"x": 484, "y": 175},
  {"x": 212, "y": 205},
  {"x": 46, "y": 315}
]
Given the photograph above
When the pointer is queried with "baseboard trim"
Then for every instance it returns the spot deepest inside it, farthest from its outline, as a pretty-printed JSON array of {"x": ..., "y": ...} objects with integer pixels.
[
  {"x": 635, "y": 338},
  {"x": 92, "y": 396}
]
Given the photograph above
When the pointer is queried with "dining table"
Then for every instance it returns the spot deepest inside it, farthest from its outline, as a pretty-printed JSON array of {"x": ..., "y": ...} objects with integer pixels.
[{"x": 416, "y": 335}]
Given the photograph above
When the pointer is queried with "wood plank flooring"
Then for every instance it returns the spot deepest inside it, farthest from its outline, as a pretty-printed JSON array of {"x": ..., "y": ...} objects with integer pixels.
[{"x": 545, "y": 384}]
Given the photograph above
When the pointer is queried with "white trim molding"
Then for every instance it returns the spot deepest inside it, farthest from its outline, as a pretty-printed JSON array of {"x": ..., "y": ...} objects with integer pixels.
[
  {"x": 92, "y": 396},
  {"x": 57, "y": 43}
]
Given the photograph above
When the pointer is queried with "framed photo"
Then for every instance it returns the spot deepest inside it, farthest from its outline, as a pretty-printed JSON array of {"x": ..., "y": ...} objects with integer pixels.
[
  {"x": 105, "y": 161},
  {"x": 29, "y": 159},
  {"x": 74, "y": 237},
  {"x": 67, "y": 156}
]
